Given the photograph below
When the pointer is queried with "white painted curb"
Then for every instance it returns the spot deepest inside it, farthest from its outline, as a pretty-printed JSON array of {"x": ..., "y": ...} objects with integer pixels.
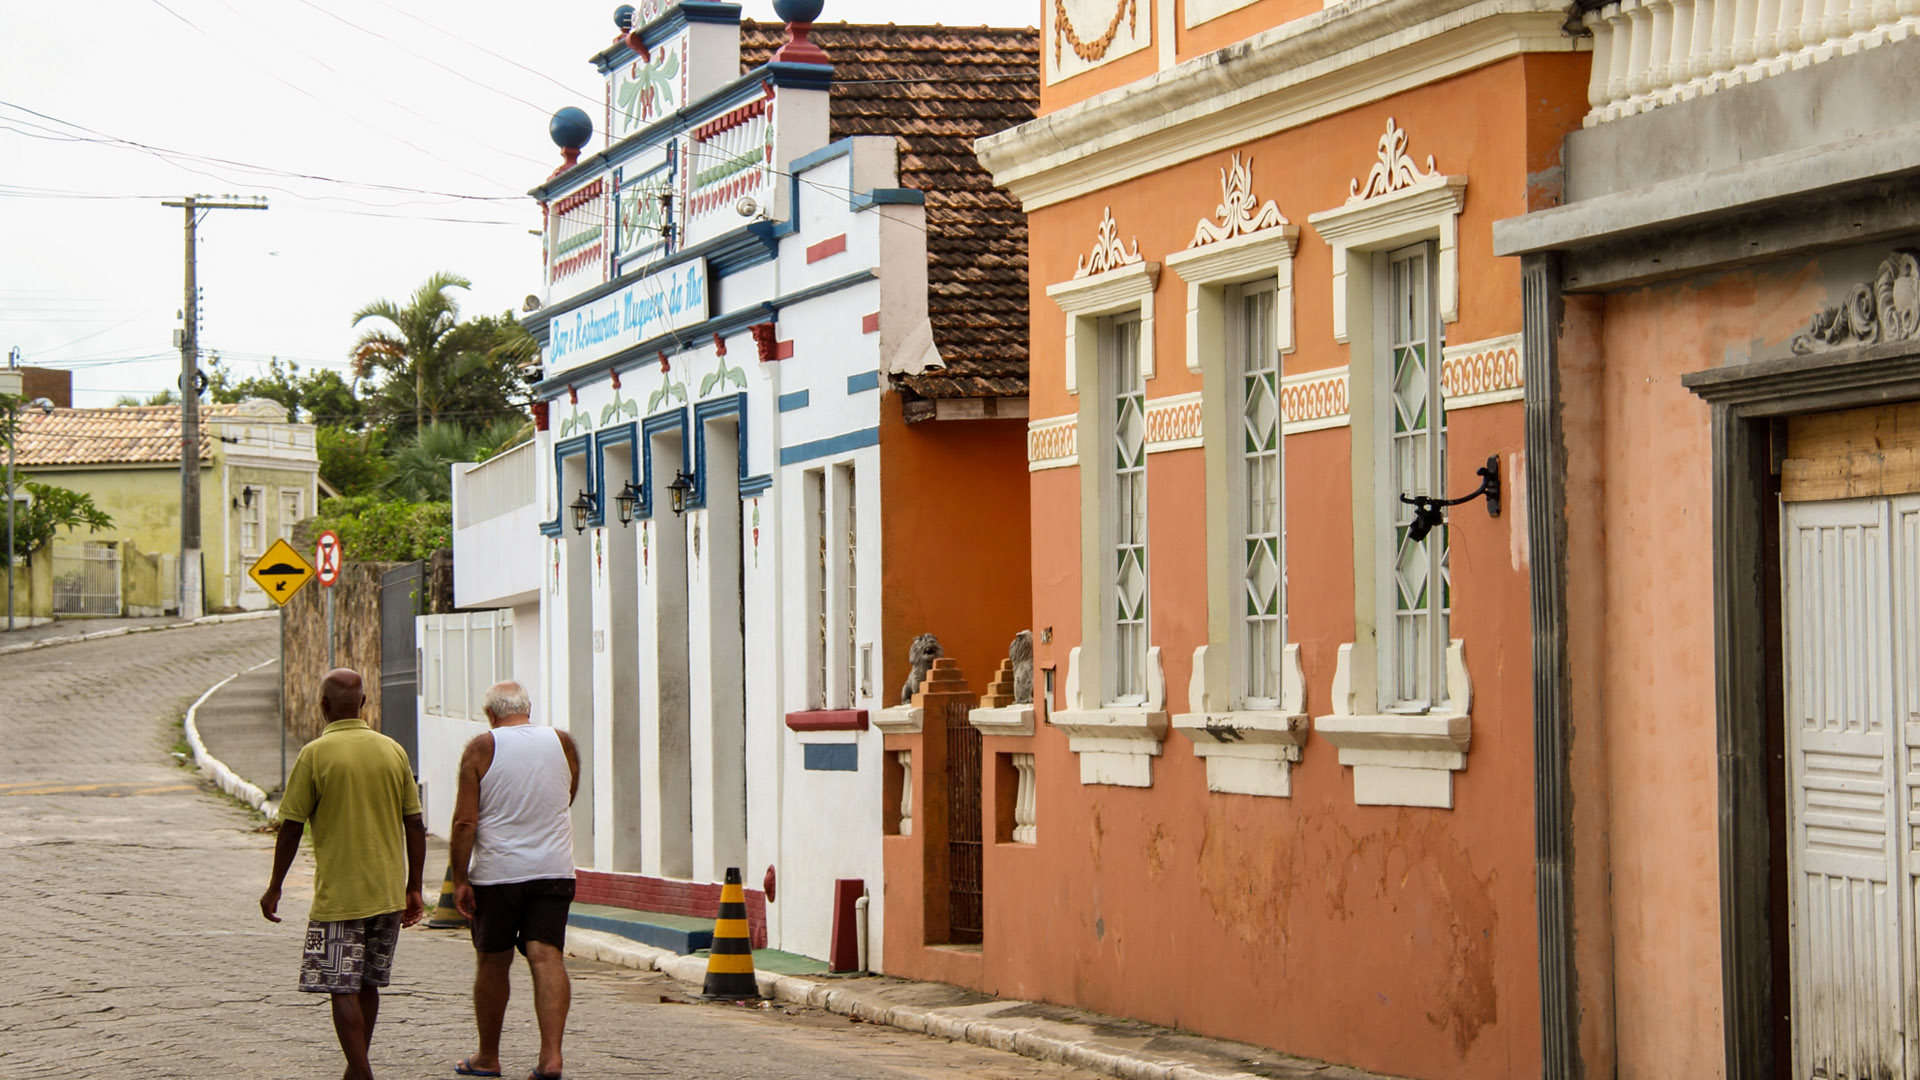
[
  {"x": 212, "y": 767},
  {"x": 613, "y": 949},
  {"x": 122, "y": 631}
]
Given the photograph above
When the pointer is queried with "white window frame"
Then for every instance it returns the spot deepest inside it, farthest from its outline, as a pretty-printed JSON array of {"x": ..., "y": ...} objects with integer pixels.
[
  {"x": 1245, "y": 335},
  {"x": 1393, "y": 478},
  {"x": 813, "y": 508},
  {"x": 843, "y": 551},
  {"x": 1125, "y": 684},
  {"x": 288, "y": 521},
  {"x": 1399, "y": 757},
  {"x": 1250, "y": 746},
  {"x": 253, "y": 513},
  {"x": 1116, "y": 743}
]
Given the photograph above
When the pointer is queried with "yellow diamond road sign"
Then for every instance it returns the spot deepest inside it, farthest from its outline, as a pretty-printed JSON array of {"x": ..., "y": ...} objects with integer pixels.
[{"x": 281, "y": 572}]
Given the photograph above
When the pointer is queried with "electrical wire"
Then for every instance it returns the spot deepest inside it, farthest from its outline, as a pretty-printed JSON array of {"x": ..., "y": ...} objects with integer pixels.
[{"x": 282, "y": 80}]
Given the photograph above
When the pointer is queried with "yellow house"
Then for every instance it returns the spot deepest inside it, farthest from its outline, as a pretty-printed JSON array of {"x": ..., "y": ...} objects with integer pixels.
[{"x": 258, "y": 478}]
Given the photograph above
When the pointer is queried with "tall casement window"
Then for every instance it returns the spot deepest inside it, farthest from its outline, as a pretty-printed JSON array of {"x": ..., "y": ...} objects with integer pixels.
[
  {"x": 1257, "y": 480},
  {"x": 1415, "y": 590},
  {"x": 814, "y": 492},
  {"x": 1125, "y": 393},
  {"x": 850, "y": 589}
]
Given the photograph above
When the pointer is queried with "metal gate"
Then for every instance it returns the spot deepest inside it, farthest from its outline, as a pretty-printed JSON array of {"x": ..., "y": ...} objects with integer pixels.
[
  {"x": 86, "y": 577},
  {"x": 402, "y": 596},
  {"x": 963, "y": 825}
]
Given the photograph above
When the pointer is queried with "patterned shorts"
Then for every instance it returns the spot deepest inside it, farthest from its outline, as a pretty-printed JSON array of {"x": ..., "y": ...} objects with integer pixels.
[{"x": 341, "y": 957}]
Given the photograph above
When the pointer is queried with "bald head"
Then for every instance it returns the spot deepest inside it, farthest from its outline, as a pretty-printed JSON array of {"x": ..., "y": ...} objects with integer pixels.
[{"x": 341, "y": 694}]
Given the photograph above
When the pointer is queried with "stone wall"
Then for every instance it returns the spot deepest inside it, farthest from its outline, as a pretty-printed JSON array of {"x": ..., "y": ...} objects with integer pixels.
[{"x": 356, "y": 622}]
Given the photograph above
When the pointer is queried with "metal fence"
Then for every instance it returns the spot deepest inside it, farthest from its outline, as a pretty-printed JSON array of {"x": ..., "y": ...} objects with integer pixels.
[{"x": 86, "y": 577}]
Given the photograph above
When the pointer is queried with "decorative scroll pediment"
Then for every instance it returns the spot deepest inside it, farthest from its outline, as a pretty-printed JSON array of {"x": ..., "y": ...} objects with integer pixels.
[
  {"x": 1240, "y": 211},
  {"x": 1884, "y": 309},
  {"x": 1394, "y": 171},
  {"x": 1108, "y": 253}
]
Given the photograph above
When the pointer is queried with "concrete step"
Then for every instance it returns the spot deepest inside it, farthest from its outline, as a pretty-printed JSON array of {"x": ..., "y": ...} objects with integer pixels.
[{"x": 681, "y": 934}]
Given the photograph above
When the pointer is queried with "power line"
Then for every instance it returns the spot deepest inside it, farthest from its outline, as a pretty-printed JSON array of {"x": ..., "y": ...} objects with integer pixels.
[{"x": 107, "y": 139}]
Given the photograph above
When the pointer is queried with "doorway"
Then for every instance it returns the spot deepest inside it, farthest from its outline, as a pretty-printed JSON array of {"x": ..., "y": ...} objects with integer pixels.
[{"x": 1850, "y": 594}]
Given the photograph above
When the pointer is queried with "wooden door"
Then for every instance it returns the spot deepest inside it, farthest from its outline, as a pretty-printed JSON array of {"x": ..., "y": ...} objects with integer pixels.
[{"x": 1851, "y": 901}]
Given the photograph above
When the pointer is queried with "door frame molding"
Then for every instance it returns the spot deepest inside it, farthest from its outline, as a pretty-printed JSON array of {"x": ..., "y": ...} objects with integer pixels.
[{"x": 1746, "y": 399}]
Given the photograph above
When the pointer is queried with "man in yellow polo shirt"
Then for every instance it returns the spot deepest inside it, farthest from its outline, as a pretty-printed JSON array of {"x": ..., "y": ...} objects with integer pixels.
[{"x": 353, "y": 788}]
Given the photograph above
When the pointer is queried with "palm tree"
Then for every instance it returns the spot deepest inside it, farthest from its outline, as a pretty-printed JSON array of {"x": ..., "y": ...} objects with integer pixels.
[
  {"x": 420, "y": 469},
  {"x": 424, "y": 339}
]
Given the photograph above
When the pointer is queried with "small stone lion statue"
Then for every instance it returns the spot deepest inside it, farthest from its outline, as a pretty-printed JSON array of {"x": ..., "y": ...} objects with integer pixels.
[
  {"x": 1021, "y": 653},
  {"x": 921, "y": 654}
]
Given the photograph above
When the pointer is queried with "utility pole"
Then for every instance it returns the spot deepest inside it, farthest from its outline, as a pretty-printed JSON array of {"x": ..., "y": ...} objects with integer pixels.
[
  {"x": 192, "y": 591},
  {"x": 11, "y": 384}
]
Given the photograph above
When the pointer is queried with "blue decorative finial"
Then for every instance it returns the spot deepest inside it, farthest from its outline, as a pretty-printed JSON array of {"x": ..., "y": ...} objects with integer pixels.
[
  {"x": 571, "y": 128},
  {"x": 798, "y": 11},
  {"x": 623, "y": 17}
]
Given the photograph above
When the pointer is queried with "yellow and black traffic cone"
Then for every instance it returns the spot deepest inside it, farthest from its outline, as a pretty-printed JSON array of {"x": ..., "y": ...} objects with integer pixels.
[
  {"x": 445, "y": 916},
  {"x": 730, "y": 959}
]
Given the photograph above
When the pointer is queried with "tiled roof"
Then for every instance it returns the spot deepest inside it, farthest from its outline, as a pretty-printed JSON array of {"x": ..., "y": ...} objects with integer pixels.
[
  {"x": 129, "y": 435},
  {"x": 937, "y": 89}
]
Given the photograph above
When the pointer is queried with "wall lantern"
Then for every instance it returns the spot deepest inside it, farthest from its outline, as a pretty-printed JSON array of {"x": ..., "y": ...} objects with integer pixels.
[
  {"x": 246, "y": 499},
  {"x": 582, "y": 506},
  {"x": 628, "y": 497},
  {"x": 1427, "y": 508},
  {"x": 678, "y": 489}
]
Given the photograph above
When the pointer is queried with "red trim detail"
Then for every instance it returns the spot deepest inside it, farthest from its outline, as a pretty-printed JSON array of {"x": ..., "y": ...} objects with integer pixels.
[
  {"x": 763, "y": 339},
  {"x": 638, "y": 892},
  {"x": 828, "y": 720},
  {"x": 783, "y": 351},
  {"x": 831, "y": 246},
  {"x": 539, "y": 416},
  {"x": 870, "y": 324}
]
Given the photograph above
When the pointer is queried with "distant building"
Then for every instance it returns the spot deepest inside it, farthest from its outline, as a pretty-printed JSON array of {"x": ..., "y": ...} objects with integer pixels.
[{"x": 258, "y": 478}]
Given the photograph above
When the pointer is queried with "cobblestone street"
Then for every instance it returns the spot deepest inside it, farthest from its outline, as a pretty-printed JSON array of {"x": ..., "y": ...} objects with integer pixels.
[{"x": 134, "y": 945}]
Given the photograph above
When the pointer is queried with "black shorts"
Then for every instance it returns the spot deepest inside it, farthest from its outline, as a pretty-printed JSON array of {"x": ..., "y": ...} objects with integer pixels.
[{"x": 508, "y": 916}]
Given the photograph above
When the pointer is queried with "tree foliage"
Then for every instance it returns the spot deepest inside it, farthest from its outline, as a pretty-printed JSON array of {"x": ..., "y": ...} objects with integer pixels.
[
  {"x": 354, "y": 462},
  {"x": 319, "y": 396},
  {"x": 52, "y": 509},
  {"x": 421, "y": 467},
  {"x": 429, "y": 366},
  {"x": 392, "y": 530}
]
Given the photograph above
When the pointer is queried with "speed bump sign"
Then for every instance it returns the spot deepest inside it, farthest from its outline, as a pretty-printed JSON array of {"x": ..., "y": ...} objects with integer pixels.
[{"x": 281, "y": 572}]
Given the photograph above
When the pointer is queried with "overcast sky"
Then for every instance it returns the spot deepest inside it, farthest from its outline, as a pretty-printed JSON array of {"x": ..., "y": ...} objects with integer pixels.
[{"x": 428, "y": 122}]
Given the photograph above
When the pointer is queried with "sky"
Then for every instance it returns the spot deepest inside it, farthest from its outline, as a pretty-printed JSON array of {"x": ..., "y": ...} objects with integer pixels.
[{"x": 391, "y": 138}]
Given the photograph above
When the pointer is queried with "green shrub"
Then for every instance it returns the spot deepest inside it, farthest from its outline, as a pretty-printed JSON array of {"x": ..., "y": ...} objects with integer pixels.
[{"x": 375, "y": 530}]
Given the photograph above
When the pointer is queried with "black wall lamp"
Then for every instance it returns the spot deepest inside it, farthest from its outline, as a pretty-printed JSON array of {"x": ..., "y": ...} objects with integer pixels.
[
  {"x": 1427, "y": 509},
  {"x": 678, "y": 489},
  {"x": 246, "y": 499},
  {"x": 628, "y": 498},
  {"x": 582, "y": 506}
]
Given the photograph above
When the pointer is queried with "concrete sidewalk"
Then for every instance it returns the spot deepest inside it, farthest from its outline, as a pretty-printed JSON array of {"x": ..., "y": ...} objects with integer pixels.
[{"x": 238, "y": 723}]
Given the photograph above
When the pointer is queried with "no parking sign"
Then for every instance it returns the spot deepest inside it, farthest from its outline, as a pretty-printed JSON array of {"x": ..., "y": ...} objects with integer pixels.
[{"x": 327, "y": 558}]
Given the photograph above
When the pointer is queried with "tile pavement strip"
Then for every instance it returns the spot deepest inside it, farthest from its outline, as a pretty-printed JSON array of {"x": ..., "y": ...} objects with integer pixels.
[{"x": 134, "y": 944}]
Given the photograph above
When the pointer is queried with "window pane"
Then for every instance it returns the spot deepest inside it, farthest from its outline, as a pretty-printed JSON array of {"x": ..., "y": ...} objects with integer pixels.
[
  {"x": 1128, "y": 523},
  {"x": 1259, "y": 476}
]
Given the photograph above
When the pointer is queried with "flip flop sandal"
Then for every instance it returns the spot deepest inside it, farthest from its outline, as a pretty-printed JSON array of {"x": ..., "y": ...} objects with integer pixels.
[{"x": 465, "y": 1069}]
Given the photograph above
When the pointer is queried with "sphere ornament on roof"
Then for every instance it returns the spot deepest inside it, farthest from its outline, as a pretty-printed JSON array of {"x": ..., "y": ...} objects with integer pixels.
[
  {"x": 623, "y": 17},
  {"x": 571, "y": 128},
  {"x": 798, "y": 11}
]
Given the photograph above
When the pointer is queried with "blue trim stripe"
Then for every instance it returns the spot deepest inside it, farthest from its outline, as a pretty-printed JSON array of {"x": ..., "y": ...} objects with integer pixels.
[
  {"x": 799, "y": 399},
  {"x": 838, "y": 444},
  {"x": 866, "y": 380},
  {"x": 831, "y": 757}
]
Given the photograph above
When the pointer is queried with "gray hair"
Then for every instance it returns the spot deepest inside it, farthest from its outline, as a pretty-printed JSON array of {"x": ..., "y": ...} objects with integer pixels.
[{"x": 506, "y": 699}]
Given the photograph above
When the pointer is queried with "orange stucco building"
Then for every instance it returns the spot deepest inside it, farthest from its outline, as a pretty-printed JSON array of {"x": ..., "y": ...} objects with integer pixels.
[{"x": 1277, "y": 783}]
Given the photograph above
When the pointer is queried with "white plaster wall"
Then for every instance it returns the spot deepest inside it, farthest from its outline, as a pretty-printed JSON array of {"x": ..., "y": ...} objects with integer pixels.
[{"x": 497, "y": 562}]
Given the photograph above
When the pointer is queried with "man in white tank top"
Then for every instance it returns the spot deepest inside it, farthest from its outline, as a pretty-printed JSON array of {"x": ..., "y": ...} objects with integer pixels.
[{"x": 513, "y": 870}]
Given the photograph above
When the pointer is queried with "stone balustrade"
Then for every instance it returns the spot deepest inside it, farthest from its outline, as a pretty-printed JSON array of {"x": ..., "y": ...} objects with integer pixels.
[{"x": 1649, "y": 53}]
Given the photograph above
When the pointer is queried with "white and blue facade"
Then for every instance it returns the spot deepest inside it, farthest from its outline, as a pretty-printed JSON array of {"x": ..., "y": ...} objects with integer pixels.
[{"x": 725, "y": 292}]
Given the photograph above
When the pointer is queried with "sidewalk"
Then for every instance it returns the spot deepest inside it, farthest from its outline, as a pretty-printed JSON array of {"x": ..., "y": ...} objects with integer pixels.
[
  {"x": 238, "y": 724},
  {"x": 64, "y": 631}
]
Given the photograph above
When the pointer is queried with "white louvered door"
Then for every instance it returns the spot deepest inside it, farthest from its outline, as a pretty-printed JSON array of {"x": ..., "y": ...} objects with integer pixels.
[{"x": 1852, "y": 891}]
